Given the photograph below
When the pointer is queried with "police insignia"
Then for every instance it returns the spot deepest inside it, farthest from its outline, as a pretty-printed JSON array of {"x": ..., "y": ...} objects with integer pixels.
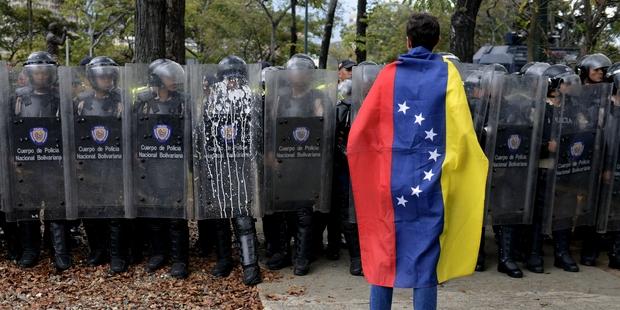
[
  {"x": 99, "y": 134},
  {"x": 228, "y": 132},
  {"x": 576, "y": 149},
  {"x": 38, "y": 135},
  {"x": 162, "y": 133},
  {"x": 301, "y": 134},
  {"x": 514, "y": 142}
]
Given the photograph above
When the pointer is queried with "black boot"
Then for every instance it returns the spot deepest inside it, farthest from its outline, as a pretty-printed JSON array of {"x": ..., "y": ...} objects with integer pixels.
[
  {"x": 534, "y": 262},
  {"x": 62, "y": 254},
  {"x": 223, "y": 248},
  {"x": 561, "y": 244},
  {"x": 614, "y": 251},
  {"x": 246, "y": 234},
  {"x": 480, "y": 262},
  {"x": 281, "y": 255},
  {"x": 13, "y": 246},
  {"x": 506, "y": 262},
  {"x": 96, "y": 232},
  {"x": 137, "y": 240},
  {"x": 589, "y": 247},
  {"x": 353, "y": 245},
  {"x": 179, "y": 249},
  {"x": 158, "y": 240},
  {"x": 303, "y": 242},
  {"x": 30, "y": 232},
  {"x": 206, "y": 235},
  {"x": 319, "y": 224},
  {"x": 119, "y": 255},
  {"x": 271, "y": 227}
]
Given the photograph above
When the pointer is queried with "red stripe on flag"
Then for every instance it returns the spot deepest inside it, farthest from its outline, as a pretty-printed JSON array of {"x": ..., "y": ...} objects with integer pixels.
[{"x": 370, "y": 161}]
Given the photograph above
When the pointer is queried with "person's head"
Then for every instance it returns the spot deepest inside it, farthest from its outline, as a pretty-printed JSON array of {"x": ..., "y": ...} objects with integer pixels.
[
  {"x": 232, "y": 69},
  {"x": 613, "y": 76},
  {"x": 102, "y": 73},
  {"x": 40, "y": 69},
  {"x": 592, "y": 68},
  {"x": 167, "y": 75},
  {"x": 345, "y": 69},
  {"x": 297, "y": 67},
  {"x": 534, "y": 68},
  {"x": 422, "y": 30},
  {"x": 561, "y": 79}
]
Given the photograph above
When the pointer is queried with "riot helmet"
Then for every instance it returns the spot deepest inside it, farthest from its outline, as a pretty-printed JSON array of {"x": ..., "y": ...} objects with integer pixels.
[
  {"x": 102, "y": 73},
  {"x": 232, "y": 67},
  {"x": 534, "y": 68},
  {"x": 153, "y": 80},
  {"x": 589, "y": 65},
  {"x": 40, "y": 69},
  {"x": 367, "y": 63},
  {"x": 167, "y": 74},
  {"x": 300, "y": 62}
]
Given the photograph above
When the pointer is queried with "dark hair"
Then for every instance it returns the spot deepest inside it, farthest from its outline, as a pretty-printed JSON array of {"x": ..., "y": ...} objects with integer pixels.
[{"x": 423, "y": 30}]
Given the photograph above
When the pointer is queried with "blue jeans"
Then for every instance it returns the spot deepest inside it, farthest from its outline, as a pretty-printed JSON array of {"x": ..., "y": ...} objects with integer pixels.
[{"x": 423, "y": 298}]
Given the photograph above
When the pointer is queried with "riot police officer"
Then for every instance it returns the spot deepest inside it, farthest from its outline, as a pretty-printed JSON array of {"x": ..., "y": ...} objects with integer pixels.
[
  {"x": 559, "y": 78},
  {"x": 104, "y": 100},
  {"x": 613, "y": 76},
  {"x": 229, "y": 101},
  {"x": 40, "y": 99},
  {"x": 165, "y": 236},
  {"x": 591, "y": 70},
  {"x": 298, "y": 98}
]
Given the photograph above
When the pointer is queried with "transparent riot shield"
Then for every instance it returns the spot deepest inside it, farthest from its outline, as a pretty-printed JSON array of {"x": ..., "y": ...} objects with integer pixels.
[
  {"x": 92, "y": 107},
  {"x": 299, "y": 139},
  {"x": 4, "y": 156},
  {"x": 608, "y": 210},
  {"x": 513, "y": 139},
  {"x": 227, "y": 120},
  {"x": 31, "y": 144},
  {"x": 579, "y": 156},
  {"x": 160, "y": 142},
  {"x": 363, "y": 78}
]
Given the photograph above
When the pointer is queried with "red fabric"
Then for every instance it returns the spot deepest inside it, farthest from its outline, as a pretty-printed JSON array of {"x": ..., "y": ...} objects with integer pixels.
[{"x": 369, "y": 153}]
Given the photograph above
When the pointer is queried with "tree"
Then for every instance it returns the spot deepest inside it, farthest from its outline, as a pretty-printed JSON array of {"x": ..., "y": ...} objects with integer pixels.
[
  {"x": 463, "y": 23},
  {"x": 361, "y": 24},
  {"x": 14, "y": 29},
  {"x": 274, "y": 20},
  {"x": 150, "y": 30},
  {"x": 175, "y": 30},
  {"x": 327, "y": 35},
  {"x": 293, "y": 28}
]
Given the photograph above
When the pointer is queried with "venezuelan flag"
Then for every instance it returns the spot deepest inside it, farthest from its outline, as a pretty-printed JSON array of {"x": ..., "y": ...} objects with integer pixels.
[{"x": 418, "y": 175}]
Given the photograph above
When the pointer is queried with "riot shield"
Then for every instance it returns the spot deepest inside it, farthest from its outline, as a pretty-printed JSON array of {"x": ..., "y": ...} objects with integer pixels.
[
  {"x": 609, "y": 200},
  {"x": 299, "y": 139},
  {"x": 159, "y": 142},
  {"x": 92, "y": 108},
  {"x": 31, "y": 144},
  {"x": 513, "y": 139},
  {"x": 579, "y": 156},
  {"x": 477, "y": 83},
  {"x": 363, "y": 78},
  {"x": 227, "y": 136}
]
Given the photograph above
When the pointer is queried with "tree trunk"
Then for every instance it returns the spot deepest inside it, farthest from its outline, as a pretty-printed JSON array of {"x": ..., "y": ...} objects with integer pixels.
[
  {"x": 293, "y": 28},
  {"x": 361, "y": 23},
  {"x": 327, "y": 35},
  {"x": 463, "y": 24},
  {"x": 175, "y": 30},
  {"x": 150, "y": 30}
]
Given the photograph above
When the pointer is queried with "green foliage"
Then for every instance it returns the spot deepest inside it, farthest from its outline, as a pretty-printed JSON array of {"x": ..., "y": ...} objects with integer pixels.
[{"x": 14, "y": 30}]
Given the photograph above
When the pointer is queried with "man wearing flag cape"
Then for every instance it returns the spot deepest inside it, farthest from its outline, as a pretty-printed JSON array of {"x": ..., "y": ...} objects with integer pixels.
[{"x": 418, "y": 174}]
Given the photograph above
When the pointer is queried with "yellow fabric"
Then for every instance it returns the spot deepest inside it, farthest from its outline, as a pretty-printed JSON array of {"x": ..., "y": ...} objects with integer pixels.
[{"x": 463, "y": 182}]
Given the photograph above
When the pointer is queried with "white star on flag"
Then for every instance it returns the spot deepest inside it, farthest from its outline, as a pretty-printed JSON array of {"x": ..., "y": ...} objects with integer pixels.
[
  {"x": 403, "y": 107},
  {"x": 434, "y": 155},
  {"x": 415, "y": 191},
  {"x": 428, "y": 174},
  {"x": 430, "y": 134},
  {"x": 402, "y": 201},
  {"x": 418, "y": 119}
]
